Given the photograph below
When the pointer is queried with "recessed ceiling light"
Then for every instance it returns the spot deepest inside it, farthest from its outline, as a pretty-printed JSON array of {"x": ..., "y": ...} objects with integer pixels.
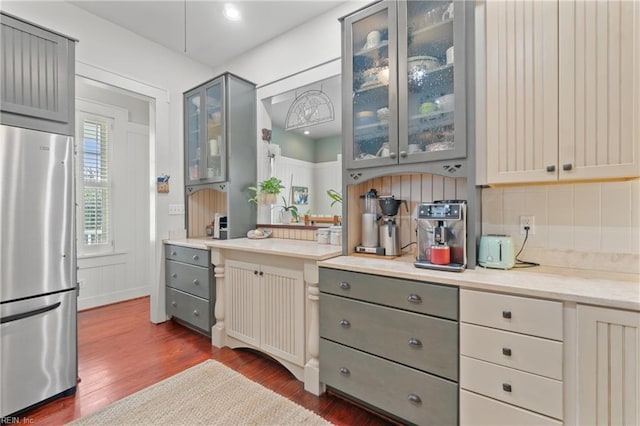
[
  {"x": 231, "y": 12},
  {"x": 306, "y": 132}
]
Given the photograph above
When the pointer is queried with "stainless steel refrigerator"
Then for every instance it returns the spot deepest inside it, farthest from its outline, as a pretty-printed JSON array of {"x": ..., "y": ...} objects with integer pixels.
[{"x": 38, "y": 294}]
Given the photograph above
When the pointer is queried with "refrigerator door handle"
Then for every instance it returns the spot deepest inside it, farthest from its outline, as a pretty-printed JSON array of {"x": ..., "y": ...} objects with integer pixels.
[{"x": 16, "y": 317}]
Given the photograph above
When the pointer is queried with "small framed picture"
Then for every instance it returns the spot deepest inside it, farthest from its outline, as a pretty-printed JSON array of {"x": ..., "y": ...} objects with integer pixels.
[{"x": 300, "y": 195}]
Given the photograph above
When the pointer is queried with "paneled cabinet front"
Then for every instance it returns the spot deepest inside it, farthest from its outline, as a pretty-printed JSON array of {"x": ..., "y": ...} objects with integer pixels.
[
  {"x": 38, "y": 74},
  {"x": 391, "y": 343},
  {"x": 404, "y": 83},
  {"x": 266, "y": 308},
  {"x": 190, "y": 293}
]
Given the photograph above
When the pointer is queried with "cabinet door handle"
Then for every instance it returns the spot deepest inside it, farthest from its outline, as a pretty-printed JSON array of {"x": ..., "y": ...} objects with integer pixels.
[
  {"x": 344, "y": 371},
  {"x": 506, "y": 351},
  {"x": 255, "y": 272},
  {"x": 393, "y": 155},
  {"x": 414, "y": 398},
  {"x": 414, "y": 298},
  {"x": 506, "y": 387},
  {"x": 196, "y": 282},
  {"x": 174, "y": 275},
  {"x": 344, "y": 285},
  {"x": 551, "y": 168},
  {"x": 173, "y": 253},
  {"x": 506, "y": 314},
  {"x": 174, "y": 304},
  {"x": 196, "y": 257},
  {"x": 261, "y": 273},
  {"x": 196, "y": 313},
  {"x": 567, "y": 167},
  {"x": 344, "y": 323},
  {"x": 415, "y": 342},
  {"x": 403, "y": 154}
]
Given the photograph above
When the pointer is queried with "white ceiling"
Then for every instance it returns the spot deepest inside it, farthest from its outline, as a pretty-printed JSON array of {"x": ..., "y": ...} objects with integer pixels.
[{"x": 213, "y": 40}]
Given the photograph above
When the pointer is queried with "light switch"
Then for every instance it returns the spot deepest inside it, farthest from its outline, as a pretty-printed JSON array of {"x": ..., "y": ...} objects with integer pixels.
[{"x": 176, "y": 208}]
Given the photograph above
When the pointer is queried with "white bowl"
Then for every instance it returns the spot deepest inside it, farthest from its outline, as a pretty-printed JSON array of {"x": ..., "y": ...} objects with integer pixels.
[{"x": 445, "y": 103}]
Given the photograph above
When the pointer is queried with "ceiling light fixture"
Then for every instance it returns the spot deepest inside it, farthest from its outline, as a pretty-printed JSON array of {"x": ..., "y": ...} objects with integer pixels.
[
  {"x": 231, "y": 12},
  {"x": 306, "y": 132},
  {"x": 311, "y": 107}
]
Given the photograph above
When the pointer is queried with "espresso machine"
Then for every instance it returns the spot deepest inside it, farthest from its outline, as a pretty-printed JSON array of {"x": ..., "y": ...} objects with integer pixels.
[
  {"x": 442, "y": 235},
  {"x": 389, "y": 236}
]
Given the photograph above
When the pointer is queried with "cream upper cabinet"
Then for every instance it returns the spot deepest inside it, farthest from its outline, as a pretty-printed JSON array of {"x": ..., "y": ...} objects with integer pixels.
[
  {"x": 608, "y": 365},
  {"x": 561, "y": 85}
]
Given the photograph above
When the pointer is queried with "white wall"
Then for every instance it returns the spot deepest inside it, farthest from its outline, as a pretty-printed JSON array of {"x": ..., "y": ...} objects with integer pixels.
[{"x": 111, "y": 50}]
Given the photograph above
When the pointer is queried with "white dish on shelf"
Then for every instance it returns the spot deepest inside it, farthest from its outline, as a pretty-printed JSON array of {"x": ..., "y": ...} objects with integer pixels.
[{"x": 258, "y": 234}]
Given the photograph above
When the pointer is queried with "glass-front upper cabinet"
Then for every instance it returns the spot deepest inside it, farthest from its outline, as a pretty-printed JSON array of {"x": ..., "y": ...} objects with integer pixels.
[
  {"x": 404, "y": 92},
  {"x": 205, "y": 142},
  {"x": 369, "y": 89},
  {"x": 431, "y": 80}
]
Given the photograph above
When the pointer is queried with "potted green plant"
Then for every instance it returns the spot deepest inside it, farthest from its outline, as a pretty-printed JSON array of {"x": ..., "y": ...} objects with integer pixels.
[
  {"x": 289, "y": 212},
  {"x": 335, "y": 196},
  {"x": 266, "y": 191}
]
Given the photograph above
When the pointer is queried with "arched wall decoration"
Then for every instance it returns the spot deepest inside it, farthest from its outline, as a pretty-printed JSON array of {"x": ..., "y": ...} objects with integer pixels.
[{"x": 311, "y": 107}]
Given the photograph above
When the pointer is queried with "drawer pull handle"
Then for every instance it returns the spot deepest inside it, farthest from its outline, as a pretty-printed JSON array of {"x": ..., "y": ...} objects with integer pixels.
[
  {"x": 344, "y": 371},
  {"x": 173, "y": 253},
  {"x": 506, "y": 387},
  {"x": 414, "y": 298},
  {"x": 174, "y": 304},
  {"x": 344, "y": 323},
  {"x": 174, "y": 275},
  {"x": 414, "y": 398},
  {"x": 344, "y": 285},
  {"x": 415, "y": 342},
  {"x": 196, "y": 257},
  {"x": 506, "y": 314},
  {"x": 196, "y": 282},
  {"x": 196, "y": 313},
  {"x": 506, "y": 351}
]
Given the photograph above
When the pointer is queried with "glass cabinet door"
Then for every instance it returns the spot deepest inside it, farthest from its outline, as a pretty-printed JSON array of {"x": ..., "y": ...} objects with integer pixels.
[
  {"x": 193, "y": 130},
  {"x": 215, "y": 141},
  {"x": 370, "y": 91},
  {"x": 431, "y": 80}
]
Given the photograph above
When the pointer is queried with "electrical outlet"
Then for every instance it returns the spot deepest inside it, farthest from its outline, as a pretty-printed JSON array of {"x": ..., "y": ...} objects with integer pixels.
[
  {"x": 529, "y": 221},
  {"x": 176, "y": 208}
]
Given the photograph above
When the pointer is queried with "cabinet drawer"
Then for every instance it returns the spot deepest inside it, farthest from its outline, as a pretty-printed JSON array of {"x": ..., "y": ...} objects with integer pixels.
[
  {"x": 530, "y": 354},
  {"x": 407, "y": 393},
  {"x": 527, "y": 390},
  {"x": 536, "y": 317},
  {"x": 432, "y": 299},
  {"x": 476, "y": 410},
  {"x": 190, "y": 309},
  {"x": 188, "y": 278},
  {"x": 187, "y": 255},
  {"x": 420, "y": 341}
]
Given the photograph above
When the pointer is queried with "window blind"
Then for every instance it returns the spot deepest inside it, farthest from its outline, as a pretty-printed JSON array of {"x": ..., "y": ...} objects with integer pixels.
[{"x": 96, "y": 185}]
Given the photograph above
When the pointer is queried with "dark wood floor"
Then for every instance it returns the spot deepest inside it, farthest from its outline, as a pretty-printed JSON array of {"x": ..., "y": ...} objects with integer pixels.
[{"x": 120, "y": 352}]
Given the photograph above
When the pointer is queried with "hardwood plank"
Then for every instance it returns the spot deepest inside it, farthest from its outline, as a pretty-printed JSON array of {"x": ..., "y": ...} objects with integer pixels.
[{"x": 120, "y": 352}]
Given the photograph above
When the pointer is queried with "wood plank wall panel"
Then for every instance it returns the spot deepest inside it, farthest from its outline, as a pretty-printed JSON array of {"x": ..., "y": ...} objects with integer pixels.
[
  {"x": 599, "y": 72},
  {"x": 203, "y": 205},
  {"x": 414, "y": 188}
]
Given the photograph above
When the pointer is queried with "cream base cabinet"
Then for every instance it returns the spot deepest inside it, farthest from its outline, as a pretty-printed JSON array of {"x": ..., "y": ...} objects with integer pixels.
[
  {"x": 559, "y": 85},
  {"x": 608, "y": 366},
  {"x": 266, "y": 308}
]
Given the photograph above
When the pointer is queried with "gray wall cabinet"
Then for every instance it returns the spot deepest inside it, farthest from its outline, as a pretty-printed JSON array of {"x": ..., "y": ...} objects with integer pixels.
[{"x": 38, "y": 68}]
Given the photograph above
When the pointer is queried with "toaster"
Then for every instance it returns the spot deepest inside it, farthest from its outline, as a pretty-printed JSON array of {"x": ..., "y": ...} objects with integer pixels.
[{"x": 496, "y": 251}]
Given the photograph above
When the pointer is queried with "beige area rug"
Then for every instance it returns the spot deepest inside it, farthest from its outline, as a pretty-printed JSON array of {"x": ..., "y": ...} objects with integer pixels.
[{"x": 206, "y": 394}]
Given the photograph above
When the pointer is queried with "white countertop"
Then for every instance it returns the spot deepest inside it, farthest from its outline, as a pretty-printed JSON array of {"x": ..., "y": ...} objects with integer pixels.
[
  {"x": 275, "y": 246},
  {"x": 607, "y": 289}
]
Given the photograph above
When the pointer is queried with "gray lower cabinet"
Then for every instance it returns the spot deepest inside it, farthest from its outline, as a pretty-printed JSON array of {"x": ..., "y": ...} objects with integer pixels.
[
  {"x": 391, "y": 344},
  {"x": 190, "y": 290},
  {"x": 37, "y": 78}
]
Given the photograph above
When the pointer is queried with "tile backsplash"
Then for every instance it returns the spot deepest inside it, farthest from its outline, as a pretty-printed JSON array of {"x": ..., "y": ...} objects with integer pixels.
[{"x": 584, "y": 225}]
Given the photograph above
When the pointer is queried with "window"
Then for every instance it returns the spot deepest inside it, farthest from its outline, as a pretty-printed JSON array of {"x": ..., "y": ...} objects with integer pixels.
[{"x": 94, "y": 185}]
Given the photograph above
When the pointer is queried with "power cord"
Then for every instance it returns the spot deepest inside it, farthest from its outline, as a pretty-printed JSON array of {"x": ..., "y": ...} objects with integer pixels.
[
  {"x": 524, "y": 263},
  {"x": 411, "y": 243}
]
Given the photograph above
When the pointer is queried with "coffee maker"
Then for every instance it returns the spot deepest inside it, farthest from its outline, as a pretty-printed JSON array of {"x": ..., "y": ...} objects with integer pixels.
[
  {"x": 389, "y": 236},
  {"x": 369, "y": 231},
  {"x": 442, "y": 235}
]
